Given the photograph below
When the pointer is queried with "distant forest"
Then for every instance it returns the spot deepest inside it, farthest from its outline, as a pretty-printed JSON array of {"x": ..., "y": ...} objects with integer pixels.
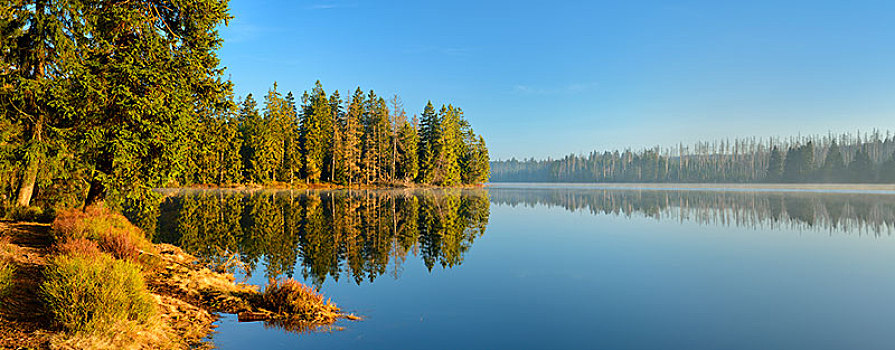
[{"x": 846, "y": 158}]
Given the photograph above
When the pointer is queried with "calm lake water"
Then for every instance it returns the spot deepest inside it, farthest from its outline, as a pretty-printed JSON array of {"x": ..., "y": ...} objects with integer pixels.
[{"x": 523, "y": 266}]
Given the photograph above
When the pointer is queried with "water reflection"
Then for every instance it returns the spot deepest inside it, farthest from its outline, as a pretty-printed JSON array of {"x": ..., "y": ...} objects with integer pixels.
[
  {"x": 833, "y": 212},
  {"x": 359, "y": 234}
]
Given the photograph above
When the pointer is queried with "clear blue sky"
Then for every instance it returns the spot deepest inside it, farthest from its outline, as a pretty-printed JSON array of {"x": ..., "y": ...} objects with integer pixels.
[{"x": 556, "y": 77}]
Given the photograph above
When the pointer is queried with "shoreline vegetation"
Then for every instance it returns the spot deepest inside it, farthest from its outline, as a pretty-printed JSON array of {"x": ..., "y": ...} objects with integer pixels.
[{"x": 93, "y": 280}]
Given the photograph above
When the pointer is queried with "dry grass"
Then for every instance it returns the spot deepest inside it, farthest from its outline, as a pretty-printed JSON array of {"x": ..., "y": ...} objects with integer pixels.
[{"x": 296, "y": 307}]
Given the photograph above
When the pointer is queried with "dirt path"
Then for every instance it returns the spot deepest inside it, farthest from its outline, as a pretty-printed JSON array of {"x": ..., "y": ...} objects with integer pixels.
[{"x": 23, "y": 324}]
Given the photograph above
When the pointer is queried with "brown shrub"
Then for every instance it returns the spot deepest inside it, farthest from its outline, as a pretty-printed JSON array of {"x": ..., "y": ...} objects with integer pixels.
[
  {"x": 78, "y": 247},
  {"x": 111, "y": 231},
  {"x": 120, "y": 245}
]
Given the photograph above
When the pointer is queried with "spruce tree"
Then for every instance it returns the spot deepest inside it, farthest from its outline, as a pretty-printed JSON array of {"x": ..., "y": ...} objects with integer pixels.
[
  {"x": 429, "y": 133},
  {"x": 775, "y": 166},
  {"x": 408, "y": 161},
  {"x": 316, "y": 133},
  {"x": 833, "y": 168}
]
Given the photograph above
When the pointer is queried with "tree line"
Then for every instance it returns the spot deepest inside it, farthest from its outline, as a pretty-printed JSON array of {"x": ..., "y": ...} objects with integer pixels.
[
  {"x": 115, "y": 98},
  {"x": 361, "y": 139},
  {"x": 845, "y": 158},
  {"x": 355, "y": 234}
]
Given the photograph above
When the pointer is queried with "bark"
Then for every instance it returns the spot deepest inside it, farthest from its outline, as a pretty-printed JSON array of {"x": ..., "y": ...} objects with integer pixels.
[
  {"x": 96, "y": 194},
  {"x": 29, "y": 177}
]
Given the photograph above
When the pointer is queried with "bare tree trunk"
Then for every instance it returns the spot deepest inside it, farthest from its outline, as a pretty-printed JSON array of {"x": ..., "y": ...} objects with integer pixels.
[
  {"x": 29, "y": 177},
  {"x": 26, "y": 189}
]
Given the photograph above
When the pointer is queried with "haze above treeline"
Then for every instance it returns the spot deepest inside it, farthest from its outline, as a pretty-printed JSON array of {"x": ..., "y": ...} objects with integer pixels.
[{"x": 844, "y": 158}]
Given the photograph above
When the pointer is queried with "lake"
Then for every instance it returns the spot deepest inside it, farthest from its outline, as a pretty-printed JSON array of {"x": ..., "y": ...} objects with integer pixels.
[{"x": 543, "y": 267}]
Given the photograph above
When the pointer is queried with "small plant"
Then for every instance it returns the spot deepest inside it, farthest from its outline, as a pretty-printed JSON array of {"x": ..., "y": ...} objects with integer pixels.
[
  {"x": 7, "y": 272},
  {"x": 86, "y": 295}
]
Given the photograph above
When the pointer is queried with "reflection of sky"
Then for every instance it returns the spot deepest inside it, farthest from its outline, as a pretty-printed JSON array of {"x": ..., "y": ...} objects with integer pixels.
[{"x": 549, "y": 278}]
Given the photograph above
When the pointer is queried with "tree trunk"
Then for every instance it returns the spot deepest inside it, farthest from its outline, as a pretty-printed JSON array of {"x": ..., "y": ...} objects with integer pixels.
[
  {"x": 29, "y": 177},
  {"x": 96, "y": 194}
]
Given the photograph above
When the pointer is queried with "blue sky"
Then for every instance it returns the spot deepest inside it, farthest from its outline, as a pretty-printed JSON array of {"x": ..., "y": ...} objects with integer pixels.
[{"x": 549, "y": 78}]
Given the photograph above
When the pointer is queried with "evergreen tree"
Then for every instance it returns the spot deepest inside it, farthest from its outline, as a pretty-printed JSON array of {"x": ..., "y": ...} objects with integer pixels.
[
  {"x": 408, "y": 161},
  {"x": 135, "y": 86},
  {"x": 353, "y": 135},
  {"x": 335, "y": 168},
  {"x": 775, "y": 165},
  {"x": 861, "y": 168},
  {"x": 429, "y": 133},
  {"x": 887, "y": 170},
  {"x": 291, "y": 166},
  {"x": 833, "y": 168},
  {"x": 316, "y": 132},
  {"x": 250, "y": 125}
]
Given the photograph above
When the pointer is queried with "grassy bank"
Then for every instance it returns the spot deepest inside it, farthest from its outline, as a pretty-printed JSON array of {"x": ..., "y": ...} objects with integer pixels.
[{"x": 93, "y": 280}]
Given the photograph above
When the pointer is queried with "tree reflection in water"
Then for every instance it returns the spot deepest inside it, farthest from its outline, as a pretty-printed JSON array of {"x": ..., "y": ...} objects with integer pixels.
[
  {"x": 362, "y": 234},
  {"x": 832, "y": 212}
]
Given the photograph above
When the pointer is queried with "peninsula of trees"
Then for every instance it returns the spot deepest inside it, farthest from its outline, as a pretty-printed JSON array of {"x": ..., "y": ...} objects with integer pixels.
[
  {"x": 846, "y": 158},
  {"x": 116, "y": 98},
  {"x": 362, "y": 139}
]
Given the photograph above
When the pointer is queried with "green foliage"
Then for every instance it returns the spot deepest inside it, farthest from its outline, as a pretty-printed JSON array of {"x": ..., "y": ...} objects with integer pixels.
[
  {"x": 32, "y": 213},
  {"x": 7, "y": 272},
  {"x": 85, "y": 295},
  {"x": 408, "y": 154}
]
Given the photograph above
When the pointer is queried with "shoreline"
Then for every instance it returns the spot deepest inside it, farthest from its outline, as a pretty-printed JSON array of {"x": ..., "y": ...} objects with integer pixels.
[
  {"x": 187, "y": 295},
  {"x": 319, "y": 186}
]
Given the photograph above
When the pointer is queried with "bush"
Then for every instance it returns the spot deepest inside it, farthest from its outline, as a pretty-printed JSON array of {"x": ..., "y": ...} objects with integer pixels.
[
  {"x": 112, "y": 232},
  {"x": 291, "y": 297},
  {"x": 35, "y": 214},
  {"x": 85, "y": 294},
  {"x": 78, "y": 247},
  {"x": 7, "y": 271}
]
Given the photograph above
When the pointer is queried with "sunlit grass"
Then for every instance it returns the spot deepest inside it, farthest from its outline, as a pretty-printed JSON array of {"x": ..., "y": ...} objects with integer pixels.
[{"x": 93, "y": 294}]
